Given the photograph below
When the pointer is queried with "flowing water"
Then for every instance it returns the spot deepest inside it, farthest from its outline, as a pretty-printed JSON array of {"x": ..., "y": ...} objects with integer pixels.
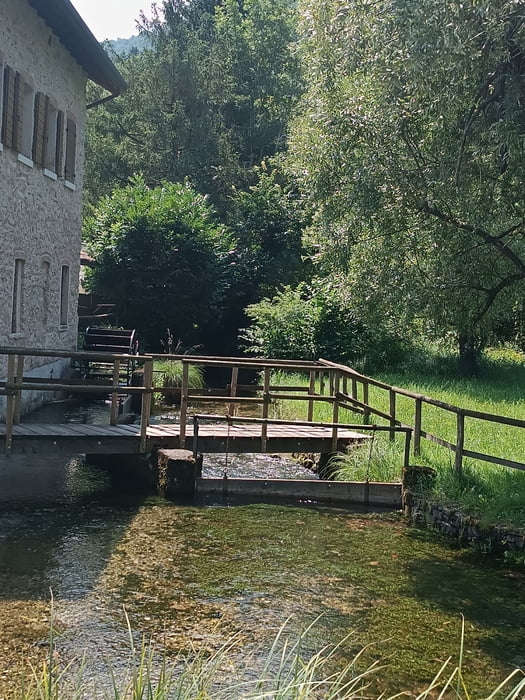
[{"x": 190, "y": 577}]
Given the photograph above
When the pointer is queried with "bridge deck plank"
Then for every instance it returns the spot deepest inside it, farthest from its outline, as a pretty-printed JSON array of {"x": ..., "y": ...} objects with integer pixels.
[{"x": 213, "y": 437}]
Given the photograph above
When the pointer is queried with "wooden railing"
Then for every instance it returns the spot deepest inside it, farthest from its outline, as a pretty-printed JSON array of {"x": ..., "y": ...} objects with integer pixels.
[
  {"x": 327, "y": 382},
  {"x": 18, "y": 381},
  {"x": 350, "y": 399}
]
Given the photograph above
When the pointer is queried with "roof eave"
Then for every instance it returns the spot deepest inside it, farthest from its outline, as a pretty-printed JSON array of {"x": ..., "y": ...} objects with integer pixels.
[{"x": 75, "y": 35}]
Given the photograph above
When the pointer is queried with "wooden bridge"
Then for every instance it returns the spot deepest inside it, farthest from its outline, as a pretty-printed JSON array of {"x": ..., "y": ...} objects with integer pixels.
[
  {"x": 195, "y": 430},
  {"x": 336, "y": 386}
]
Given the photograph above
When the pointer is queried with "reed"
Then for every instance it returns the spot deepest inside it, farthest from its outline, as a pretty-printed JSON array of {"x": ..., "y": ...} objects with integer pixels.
[{"x": 290, "y": 672}]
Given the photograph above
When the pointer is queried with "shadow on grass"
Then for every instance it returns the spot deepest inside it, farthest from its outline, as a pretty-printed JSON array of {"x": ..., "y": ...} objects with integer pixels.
[{"x": 500, "y": 378}]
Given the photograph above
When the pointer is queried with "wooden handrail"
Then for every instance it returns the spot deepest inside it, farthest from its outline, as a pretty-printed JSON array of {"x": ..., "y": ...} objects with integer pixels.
[
  {"x": 321, "y": 370},
  {"x": 461, "y": 413}
]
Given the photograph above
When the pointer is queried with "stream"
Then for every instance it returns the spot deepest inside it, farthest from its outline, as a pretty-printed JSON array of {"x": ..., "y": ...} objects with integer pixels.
[{"x": 191, "y": 577}]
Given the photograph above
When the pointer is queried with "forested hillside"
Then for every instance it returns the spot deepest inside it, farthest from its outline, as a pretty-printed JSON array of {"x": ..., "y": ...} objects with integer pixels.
[{"x": 362, "y": 168}]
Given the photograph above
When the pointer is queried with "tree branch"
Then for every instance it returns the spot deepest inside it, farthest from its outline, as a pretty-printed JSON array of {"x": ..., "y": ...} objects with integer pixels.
[
  {"x": 494, "y": 241},
  {"x": 493, "y": 293}
]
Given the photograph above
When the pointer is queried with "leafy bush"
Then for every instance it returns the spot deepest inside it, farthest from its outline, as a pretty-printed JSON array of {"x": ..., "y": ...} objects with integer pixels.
[
  {"x": 160, "y": 257},
  {"x": 284, "y": 326},
  {"x": 315, "y": 321}
]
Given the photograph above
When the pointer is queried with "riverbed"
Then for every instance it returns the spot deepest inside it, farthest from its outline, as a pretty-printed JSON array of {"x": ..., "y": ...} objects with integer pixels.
[{"x": 190, "y": 577}]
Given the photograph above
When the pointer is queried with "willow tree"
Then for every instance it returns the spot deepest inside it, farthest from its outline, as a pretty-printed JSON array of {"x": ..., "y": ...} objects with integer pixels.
[{"x": 409, "y": 149}]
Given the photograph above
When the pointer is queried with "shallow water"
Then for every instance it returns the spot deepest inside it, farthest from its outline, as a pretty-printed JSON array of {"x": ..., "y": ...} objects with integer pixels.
[{"x": 190, "y": 577}]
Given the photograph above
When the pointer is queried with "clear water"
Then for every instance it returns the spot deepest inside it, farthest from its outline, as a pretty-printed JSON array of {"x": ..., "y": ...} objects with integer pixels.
[{"x": 190, "y": 577}]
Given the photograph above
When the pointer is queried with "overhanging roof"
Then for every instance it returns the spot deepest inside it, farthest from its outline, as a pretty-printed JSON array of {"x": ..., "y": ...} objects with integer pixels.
[{"x": 73, "y": 32}]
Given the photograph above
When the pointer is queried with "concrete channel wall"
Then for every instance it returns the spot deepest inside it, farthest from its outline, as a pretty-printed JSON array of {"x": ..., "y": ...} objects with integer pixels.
[
  {"x": 340, "y": 492},
  {"x": 178, "y": 473}
]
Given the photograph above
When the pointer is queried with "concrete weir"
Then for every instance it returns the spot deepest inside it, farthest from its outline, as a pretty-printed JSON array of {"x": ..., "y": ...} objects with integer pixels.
[
  {"x": 179, "y": 473},
  {"x": 340, "y": 492}
]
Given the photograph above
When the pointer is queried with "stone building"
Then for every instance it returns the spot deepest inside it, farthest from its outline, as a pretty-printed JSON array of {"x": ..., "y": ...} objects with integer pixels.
[{"x": 47, "y": 55}]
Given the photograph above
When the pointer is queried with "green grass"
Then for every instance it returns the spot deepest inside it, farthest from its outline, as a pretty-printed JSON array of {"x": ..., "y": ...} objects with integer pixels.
[
  {"x": 493, "y": 493},
  {"x": 168, "y": 374}
]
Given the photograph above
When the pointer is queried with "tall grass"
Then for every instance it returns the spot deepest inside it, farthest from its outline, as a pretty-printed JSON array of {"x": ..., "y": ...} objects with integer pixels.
[
  {"x": 493, "y": 493},
  {"x": 168, "y": 375},
  {"x": 290, "y": 672}
]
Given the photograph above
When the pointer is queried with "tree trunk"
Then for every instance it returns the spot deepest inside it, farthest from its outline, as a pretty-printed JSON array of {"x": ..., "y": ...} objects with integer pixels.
[{"x": 468, "y": 354}]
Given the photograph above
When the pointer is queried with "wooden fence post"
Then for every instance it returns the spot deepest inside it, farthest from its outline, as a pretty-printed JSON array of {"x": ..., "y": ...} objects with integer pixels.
[
  {"x": 460, "y": 442},
  {"x": 366, "y": 412},
  {"x": 233, "y": 389},
  {"x": 114, "y": 392},
  {"x": 392, "y": 435},
  {"x": 265, "y": 408},
  {"x": 417, "y": 427},
  {"x": 184, "y": 403},
  {"x": 406, "y": 456},
  {"x": 18, "y": 397},
  {"x": 311, "y": 391},
  {"x": 335, "y": 409},
  {"x": 146, "y": 404}
]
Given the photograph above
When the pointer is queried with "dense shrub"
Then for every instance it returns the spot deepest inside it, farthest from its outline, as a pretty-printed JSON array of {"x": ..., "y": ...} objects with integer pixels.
[
  {"x": 314, "y": 321},
  {"x": 160, "y": 257}
]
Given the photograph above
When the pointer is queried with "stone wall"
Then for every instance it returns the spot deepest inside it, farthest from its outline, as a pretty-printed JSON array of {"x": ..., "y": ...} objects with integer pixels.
[
  {"x": 40, "y": 213},
  {"x": 454, "y": 523}
]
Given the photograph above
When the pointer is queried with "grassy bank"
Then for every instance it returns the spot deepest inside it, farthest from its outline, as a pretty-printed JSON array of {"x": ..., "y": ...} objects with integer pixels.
[{"x": 494, "y": 494}]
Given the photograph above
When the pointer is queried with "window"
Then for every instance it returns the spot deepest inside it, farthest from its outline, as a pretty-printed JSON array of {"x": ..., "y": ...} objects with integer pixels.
[
  {"x": 40, "y": 117},
  {"x": 17, "y": 303},
  {"x": 48, "y": 125},
  {"x": 71, "y": 149},
  {"x": 54, "y": 140},
  {"x": 18, "y": 114},
  {"x": 25, "y": 129},
  {"x": 64, "y": 296},
  {"x": 1, "y": 96},
  {"x": 59, "y": 143}
]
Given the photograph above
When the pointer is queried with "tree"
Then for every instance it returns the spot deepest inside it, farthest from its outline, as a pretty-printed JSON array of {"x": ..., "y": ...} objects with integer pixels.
[
  {"x": 207, "y": 101},
  {"x": 160, "y": 257},
  {"x": 410, "y": 151}
]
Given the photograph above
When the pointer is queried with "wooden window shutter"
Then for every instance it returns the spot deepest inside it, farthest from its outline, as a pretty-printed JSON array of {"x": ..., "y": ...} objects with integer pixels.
[
  {"x": 71, "y": 143},
  {"x": 59, "y": 150},
  {"x": 18, "y": 122},
  {"x": 40, "y": 128},
  {"x": 9, "y": 101}
]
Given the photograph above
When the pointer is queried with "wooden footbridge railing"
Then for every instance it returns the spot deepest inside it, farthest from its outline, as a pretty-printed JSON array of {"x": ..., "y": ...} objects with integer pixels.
[
  {"x": 357, "y": 385},
  {"x": 336, "y": 385},
  {"x": 259, "y": 434}
]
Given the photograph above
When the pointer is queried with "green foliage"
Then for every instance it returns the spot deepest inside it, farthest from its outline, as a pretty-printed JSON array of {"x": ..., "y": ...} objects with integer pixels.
[
  {"x": 160, "y": 258},
  {"x": 315, "y": 321},
  {"x": 381, "y": 460},
  {"x": 209, "y": 99},
  {"x": 410, "y": 150},
  {"x": 283, "y": 326},
  {"x": 168, "y": 375},
  {"x": 267, "y": 224}
]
